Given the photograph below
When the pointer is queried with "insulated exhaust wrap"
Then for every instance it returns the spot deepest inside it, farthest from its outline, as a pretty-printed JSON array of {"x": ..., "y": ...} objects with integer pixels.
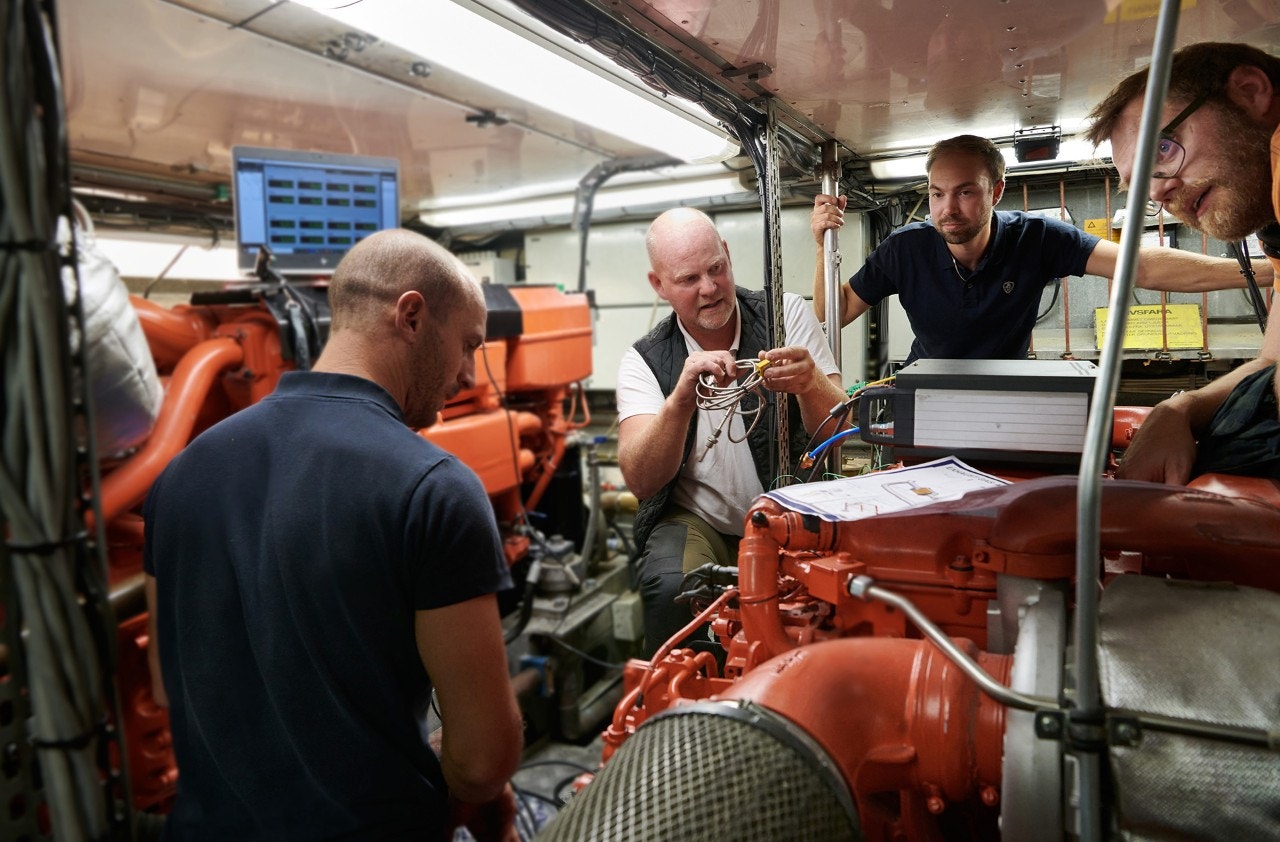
[{"x": 713, "y": 771}]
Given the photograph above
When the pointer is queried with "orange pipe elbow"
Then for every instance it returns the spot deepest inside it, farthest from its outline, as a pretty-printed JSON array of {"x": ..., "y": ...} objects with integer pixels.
[
  {"x": 170, "y": 333},
  {"x": 1125, "y": 423},
  {"x": 548, "y": 472},
  {"x": 758, "y": 584},
  {"x": 528, "y": 423},
  {"x": 895, "y": 715},
  {"x": 125, "y": 487}
]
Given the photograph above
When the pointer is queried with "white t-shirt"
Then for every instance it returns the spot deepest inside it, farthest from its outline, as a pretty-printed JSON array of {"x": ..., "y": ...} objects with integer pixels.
[{"x": 719, "y": 484}]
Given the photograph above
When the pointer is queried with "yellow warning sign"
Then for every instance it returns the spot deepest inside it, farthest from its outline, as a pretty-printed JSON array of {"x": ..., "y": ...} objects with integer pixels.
[
  {"x": 1102, "y": 228},
  {"x": 1130, "y": 10},
  {"x": 1147, "y": 329}
]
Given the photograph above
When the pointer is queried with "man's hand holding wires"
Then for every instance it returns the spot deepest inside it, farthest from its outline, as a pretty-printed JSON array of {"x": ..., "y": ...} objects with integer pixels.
[
  {"x": 719, "y": 365},
  {"x": 791, "y": 370}
]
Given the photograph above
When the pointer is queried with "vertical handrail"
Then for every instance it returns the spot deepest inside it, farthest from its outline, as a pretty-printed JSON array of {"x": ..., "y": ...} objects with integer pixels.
[
  {"x": 1204, "y": 307},
  {"x": 1087, "y": 714},
  {"x": 1031, "y": 343},
  {"x": 1066, "y": 287},
  {"x": 831, "y": 278},
  {"x": 1106, "y": 193},
  {"x": 1164, "y": 295},
  {"x": 831, "y": 252}
]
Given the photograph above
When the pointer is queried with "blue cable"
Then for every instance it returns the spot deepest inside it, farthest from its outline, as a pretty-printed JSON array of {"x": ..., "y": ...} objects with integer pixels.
[{"x": 817, "y": 451}]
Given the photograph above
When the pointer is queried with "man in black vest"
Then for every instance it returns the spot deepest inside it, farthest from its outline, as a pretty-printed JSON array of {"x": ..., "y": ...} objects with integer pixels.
[{"x": 694, "y": 497}]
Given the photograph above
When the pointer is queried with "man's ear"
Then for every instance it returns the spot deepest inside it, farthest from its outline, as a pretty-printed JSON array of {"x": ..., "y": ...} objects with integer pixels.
[
  {"x": 411, "y": 313},
  {"x": 997, "y": 193},
  {"x": 1250, "y": 89},
  {"x": 656, "y": 283}
]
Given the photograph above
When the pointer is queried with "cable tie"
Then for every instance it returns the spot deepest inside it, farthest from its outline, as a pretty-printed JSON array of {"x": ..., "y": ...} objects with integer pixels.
[
  {"x": 72, "y": 743},
  {"x": 46, "y": 547},
  {"x": 27, "y": 245}
]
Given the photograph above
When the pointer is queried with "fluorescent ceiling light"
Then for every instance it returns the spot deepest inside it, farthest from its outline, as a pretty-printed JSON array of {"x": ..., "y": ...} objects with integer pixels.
[
  {"x": 464, "y": 39},
  {"x": 483, "y": 211},
  {"x": 896, "y": 169},
  {"x": 1071, "y": 151},
  {"x": 542, "y": 189}
]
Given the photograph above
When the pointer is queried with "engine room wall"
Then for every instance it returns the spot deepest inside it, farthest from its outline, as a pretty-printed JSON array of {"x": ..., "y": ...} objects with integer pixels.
[{"x": 618, "y": 265}]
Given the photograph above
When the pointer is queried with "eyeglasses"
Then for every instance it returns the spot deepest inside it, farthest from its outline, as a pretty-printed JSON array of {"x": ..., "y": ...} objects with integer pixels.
[{"x": 1170, "y": 154}]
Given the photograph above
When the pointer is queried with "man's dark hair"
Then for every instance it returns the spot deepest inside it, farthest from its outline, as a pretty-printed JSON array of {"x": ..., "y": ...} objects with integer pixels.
[
  {"x": 1195, "y": 70},
  {"x": 969, "y": 144}
]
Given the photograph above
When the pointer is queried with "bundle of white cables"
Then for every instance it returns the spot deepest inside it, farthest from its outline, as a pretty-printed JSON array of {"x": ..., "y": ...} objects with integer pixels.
[{"x": 728, "y": 399}]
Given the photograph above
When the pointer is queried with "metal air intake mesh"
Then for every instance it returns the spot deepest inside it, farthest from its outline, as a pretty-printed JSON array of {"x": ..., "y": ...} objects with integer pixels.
[{"x": 709, "y": 772}]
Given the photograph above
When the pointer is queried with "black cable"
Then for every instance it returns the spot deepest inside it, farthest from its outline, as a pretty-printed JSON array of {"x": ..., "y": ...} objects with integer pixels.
[
  {"x": 544, "y": 799},
  {"x": 524, "y": 813},
  {"x": 584, "y": 656},
  {"x": 1053, "y": 302},
  {"x": 526, "y": 612},
  {"x": 1241, "y": 251},
  {"x": 626, "y": 542},
  {"x": 573, "y": 764}
]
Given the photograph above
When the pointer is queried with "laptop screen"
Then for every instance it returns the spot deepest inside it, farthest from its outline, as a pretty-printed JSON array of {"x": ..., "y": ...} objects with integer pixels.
[{"x": 309, "y": 208}]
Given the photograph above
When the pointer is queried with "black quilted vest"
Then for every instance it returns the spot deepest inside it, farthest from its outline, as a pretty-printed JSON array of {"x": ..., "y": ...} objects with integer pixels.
[{"x": 664, "y": 351}]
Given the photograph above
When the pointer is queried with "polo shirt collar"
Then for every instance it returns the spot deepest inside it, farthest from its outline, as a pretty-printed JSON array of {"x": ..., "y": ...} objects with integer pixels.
[{"x": 332, "y": 385}]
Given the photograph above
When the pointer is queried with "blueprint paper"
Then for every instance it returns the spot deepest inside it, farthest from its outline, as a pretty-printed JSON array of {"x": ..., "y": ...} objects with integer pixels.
[{"x": 853, "y": 498}]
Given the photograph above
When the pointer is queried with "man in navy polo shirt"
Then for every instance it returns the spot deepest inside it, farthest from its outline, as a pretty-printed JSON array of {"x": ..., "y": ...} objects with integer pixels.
[
  {"x": 970, "y": 278},
  {"x": 315, "y": 568}
]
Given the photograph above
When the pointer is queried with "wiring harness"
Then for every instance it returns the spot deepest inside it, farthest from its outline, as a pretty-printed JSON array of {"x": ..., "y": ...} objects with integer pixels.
[
  {"x": 728, "y": 399},
  {"x": 813, "y": 455},
  {"x": 56, "y": 624}
]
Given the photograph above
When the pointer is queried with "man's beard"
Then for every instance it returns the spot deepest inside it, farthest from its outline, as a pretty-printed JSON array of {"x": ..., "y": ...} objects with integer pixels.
[
  {"x": 715, "y": 321},
  {"x": 1240, "y": 202},
  {"x": 427, "y": 390},
  {"x": 961, "y": 235}
]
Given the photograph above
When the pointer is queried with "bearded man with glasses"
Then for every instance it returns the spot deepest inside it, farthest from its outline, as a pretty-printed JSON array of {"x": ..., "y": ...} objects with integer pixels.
[{"x": 1217, "y": 169}]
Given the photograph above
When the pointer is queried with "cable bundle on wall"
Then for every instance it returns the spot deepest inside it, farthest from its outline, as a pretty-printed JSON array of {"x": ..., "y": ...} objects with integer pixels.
[{"x": 54, "y": 578}]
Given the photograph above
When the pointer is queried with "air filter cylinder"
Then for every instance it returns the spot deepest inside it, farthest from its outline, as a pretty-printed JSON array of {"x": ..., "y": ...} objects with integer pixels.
[{"x": 712, "y": 771}]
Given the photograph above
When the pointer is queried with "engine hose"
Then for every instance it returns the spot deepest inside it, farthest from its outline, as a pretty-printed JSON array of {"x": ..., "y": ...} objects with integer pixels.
[
  {"x": 526, "y": 603},
  {"x": 593, "y": 515}
]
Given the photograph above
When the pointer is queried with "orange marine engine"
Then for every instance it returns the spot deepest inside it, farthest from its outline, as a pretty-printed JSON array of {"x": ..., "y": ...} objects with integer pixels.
[{"x": 905, "y": 676}]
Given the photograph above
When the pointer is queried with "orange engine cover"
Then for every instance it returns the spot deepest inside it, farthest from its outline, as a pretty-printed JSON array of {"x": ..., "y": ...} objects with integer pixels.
[{"x": 555, "y": 346}]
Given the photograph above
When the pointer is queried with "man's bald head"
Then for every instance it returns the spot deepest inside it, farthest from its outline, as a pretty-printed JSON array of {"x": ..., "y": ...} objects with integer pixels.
[
  {"x": 673, "y": 228},
  {"x": 384, "y": 266}
]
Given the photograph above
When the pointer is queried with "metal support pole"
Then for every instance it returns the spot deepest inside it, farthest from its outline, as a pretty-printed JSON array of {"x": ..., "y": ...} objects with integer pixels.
[
  {"x": 1086, "y": 720},
  {"x": 831, "y": 277},
  {"x": 770, "y": 197},
  {"x": 831, "y": 251}
]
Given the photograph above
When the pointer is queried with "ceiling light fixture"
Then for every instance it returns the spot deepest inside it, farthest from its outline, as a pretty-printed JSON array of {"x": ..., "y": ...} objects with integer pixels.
[
  {"x": 481, "y": 44},
  {"x": 1071, "y": 152},
  {"x": 484, "y": 210}
]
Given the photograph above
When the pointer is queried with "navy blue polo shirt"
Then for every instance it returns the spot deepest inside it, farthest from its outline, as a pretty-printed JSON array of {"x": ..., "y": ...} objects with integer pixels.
[
  {"x": 986, "y": 314},
  {"x": 292, "y": 544}
]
